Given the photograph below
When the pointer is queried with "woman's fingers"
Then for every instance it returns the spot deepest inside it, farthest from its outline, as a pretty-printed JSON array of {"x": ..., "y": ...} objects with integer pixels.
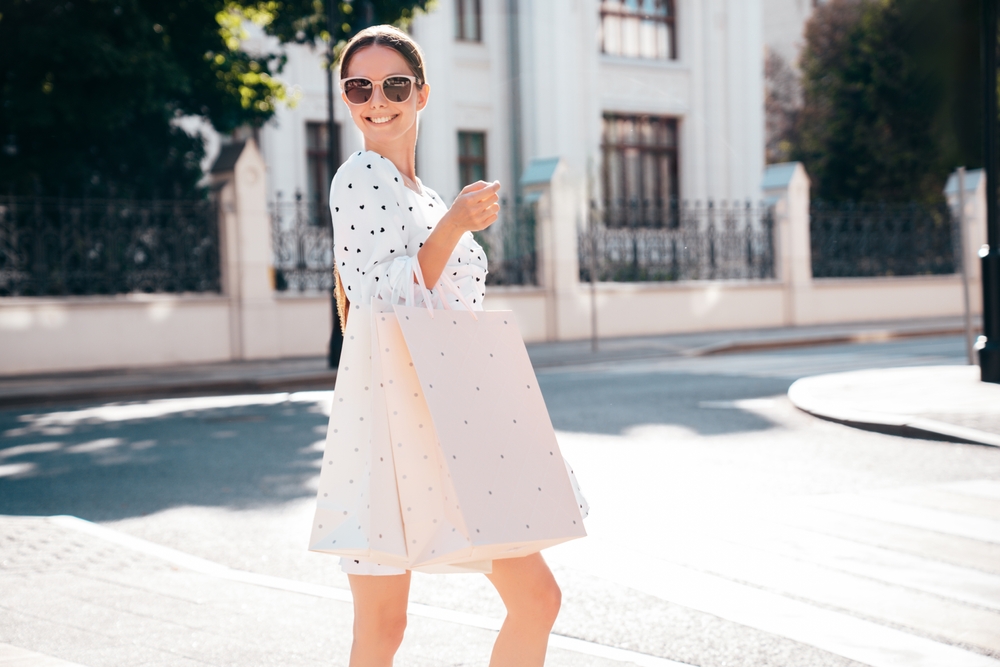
[
  {"x": 480, "y": 186},
  {"x": 480, "y": 190},
  {"x": 473, "y": 187}
]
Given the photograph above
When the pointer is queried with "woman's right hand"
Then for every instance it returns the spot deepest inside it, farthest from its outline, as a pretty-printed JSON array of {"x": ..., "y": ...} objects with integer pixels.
[{"x": 476, "y": 207}]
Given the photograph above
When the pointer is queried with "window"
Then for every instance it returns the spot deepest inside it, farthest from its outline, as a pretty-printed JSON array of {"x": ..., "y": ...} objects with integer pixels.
[
  {"x": 471, "y": 157},
  {"x": 639, "y": 29},
  {"x": 640, "y": 171},
  {"x": 468, "y": 20},
  {"x": 317, "y": 168}
]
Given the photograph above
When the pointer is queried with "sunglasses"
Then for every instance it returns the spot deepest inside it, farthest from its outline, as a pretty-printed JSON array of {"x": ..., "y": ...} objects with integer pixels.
[{"x": 395, "y": 88}]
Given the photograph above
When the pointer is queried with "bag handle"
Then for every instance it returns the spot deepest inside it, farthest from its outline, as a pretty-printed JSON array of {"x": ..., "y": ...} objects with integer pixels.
[
  {"x": 447, "y": 282},
  {"x": 419, "y": 275},
  {"x": 443, "y": 281}
]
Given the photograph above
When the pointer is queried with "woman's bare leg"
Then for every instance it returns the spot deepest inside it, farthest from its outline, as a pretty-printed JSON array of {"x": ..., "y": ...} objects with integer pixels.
[
  {"x": 379, "y": 618},
  {"x": 532, "y": 597}
]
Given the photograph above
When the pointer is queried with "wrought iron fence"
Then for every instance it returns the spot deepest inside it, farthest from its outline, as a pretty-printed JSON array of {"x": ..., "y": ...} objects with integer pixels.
[
  {"x": 510, "y": 245},
  {"x": 867, "y": 240},
  {"x": 646, "y": 213},
  {"x": 724, "y": 242},
  {"x": 302, "y": 239},
  {"x": 303, "y": 248},
  {"x": 51, "y": 246}
]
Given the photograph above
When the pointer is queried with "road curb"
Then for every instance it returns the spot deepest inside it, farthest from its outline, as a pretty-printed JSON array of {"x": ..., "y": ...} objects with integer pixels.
[
  {"x": 737, "y": 346},
  {"x": 192, "y": 386},
  {"x": 802, "y": 396},
  {"x": 879, "y": 336},
  {"x": 325, "y": 380}
]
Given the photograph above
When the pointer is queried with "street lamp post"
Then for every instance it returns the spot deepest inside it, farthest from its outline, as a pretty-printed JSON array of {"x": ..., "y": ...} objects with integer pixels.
[
  {"x": 989, "y": 343},
  {"x": 332, "y": 161}
]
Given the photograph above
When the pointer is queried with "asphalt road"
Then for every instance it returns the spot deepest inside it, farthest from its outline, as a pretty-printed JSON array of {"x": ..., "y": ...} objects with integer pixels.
[{"x": 727, "y": 527}]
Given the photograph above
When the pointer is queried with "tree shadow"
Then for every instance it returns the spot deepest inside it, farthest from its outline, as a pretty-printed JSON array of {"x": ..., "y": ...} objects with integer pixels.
[
  {"x": 82, "y": 462},
  {"x": 611, "y": 403},
  {"x": 111, "y": 462}
]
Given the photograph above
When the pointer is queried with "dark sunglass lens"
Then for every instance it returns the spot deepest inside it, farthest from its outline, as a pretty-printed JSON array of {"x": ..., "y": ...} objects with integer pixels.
[
  {"x": 396, "y": 89},
  {"x": 357, "y": 91}
]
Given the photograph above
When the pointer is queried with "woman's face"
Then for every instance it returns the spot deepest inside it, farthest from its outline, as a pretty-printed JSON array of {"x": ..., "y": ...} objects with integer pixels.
[{"x": 381, "y": 121}]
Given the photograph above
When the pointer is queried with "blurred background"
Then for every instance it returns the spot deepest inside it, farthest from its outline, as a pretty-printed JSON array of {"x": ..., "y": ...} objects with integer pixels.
[
  {"x": 667, "y": 166},
  {"x": 744, "y": 239}
]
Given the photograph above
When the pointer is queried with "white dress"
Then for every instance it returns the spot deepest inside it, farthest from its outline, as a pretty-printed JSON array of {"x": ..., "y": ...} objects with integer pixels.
[{"x": 379, "y": 225}]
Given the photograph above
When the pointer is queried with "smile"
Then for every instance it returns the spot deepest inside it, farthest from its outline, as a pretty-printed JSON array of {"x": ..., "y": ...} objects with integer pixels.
[{"x": 379, "y": 120}]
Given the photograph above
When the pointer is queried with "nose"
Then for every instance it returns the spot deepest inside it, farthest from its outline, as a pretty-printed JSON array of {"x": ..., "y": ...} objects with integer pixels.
[{"x": 378, "y": 97}]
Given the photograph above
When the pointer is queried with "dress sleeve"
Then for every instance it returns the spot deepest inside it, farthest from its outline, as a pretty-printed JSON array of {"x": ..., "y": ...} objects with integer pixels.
[{"x": 369, "y": 230}]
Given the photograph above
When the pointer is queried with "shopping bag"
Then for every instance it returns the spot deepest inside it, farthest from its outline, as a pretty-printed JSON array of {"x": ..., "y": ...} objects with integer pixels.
[
  {"x": 357, "y": 506},
  {"x": 497, "y": 455},
  {"x": 435, "y": 533},
  {"x": 404, "y": 483}
]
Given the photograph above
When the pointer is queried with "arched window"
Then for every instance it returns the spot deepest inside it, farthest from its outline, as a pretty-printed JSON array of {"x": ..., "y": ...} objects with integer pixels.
[{"x": 639, "y": 29}]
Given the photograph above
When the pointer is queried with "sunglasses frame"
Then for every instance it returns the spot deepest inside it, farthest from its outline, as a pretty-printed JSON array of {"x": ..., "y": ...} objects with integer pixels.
[{"x": 380, "y": 84}]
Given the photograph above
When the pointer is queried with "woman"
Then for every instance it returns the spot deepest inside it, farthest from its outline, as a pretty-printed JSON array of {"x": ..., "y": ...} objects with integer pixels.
[{"x": 385, "y": 220}]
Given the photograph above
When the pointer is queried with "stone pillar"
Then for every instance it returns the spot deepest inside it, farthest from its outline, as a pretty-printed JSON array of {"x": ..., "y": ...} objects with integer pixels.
[
  {"x": 558, "y": 196},
  {"x": 245, "y": 242},
  {"x": 786, "y": 186}
]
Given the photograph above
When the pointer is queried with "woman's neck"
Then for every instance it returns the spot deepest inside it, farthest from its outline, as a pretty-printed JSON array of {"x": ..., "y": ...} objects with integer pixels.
[{"x": 402, "y": 153}]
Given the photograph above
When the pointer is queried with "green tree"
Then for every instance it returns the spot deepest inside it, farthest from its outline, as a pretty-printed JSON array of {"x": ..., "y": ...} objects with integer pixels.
[
  {"x": 889, "y": 99},
  {"x": 90, "y": 89}
]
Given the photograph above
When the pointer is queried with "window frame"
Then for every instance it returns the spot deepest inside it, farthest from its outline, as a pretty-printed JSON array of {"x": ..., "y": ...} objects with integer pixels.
[
  {"x": 467, "y": 161},
  {"x": 626, "y": 213},
  {"x": 460, "y": 20},
  {"x": 669, "y": 19}
]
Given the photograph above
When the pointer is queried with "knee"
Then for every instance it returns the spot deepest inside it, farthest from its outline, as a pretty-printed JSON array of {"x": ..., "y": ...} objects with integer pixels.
[
  {"x": 540, "y": 605},
  {"x": 382, "y": 629},
  {"x": 549, "y": 600}
]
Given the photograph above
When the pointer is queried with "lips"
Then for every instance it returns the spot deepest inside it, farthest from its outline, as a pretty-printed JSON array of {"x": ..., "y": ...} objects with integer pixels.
[{"x": 380, "y": 120}]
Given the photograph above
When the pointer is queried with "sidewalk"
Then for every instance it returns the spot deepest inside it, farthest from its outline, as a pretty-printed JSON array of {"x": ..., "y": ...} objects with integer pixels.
[
  {"x": 936, "y": 402},
  {"x": 312, "y": 373}
]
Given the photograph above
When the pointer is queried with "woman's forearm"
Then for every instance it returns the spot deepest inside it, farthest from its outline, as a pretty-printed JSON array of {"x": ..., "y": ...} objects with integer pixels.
[
  {"x": 475, "y": 208},
  {"x": 436, "y": 251}
]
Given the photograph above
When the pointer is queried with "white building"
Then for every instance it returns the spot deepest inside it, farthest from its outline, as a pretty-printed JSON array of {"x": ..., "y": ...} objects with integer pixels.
[{"x": 650, "y": 100}]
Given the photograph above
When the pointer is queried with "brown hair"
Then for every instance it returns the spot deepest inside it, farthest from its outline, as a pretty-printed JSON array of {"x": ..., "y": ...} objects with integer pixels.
[
  {"x": 397, "y": 40},
  {"x": 391, "y": 37}
]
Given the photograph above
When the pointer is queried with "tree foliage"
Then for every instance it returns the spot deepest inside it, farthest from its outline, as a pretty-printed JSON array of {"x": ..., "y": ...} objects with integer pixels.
[
  {"x": 887, "y": 106},
  {"x": 90, "y": 90}
]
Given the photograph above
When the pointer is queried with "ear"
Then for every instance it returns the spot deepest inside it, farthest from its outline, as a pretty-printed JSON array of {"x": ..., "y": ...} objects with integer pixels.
[{"x": 422, "y": 96}]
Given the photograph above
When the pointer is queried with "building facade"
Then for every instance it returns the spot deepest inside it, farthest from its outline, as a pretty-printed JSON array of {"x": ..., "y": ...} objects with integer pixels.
[{"x": 650, "y": 102}]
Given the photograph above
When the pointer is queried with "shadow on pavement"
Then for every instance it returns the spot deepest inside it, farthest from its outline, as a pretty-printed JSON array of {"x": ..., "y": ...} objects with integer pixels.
[
  {"x": 611, "y": 404},
  {"x": 107, "y": 463},
  {"x": 116, "y": 461}
]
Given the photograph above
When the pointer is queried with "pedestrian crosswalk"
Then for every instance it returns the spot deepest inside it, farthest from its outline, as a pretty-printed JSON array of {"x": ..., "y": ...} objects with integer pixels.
[{"x": 889, "y": 578}]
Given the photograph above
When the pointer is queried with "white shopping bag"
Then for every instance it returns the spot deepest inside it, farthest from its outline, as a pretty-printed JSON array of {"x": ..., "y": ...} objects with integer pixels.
[
  {"x": 440, "y": 454},
  {"x": 496, "y": 448}
]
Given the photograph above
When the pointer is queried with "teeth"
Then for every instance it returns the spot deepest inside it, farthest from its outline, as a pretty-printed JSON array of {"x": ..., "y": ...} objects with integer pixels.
[{"x": 379, "y": 121}]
